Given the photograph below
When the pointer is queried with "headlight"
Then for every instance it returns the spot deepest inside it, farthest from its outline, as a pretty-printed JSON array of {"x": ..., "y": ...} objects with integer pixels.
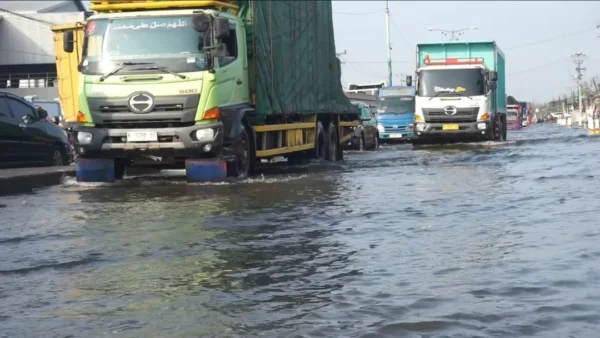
[
  {"x": 205, "y": 134},
  {"x": 380, "y": 128},
  {"x": 84, "y": 137}
]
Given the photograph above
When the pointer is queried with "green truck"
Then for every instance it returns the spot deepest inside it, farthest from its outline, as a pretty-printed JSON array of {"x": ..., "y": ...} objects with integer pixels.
[
  {"x": 461, "y": 92},
  {"x": 222, "y": 84}
]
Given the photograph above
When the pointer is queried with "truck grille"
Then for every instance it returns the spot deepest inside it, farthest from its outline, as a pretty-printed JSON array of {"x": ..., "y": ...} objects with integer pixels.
[
  {"x": 392, "y": 129},
  {"x": 463, "y": 115},
  {"x": 132, "y": 124},
  {"x": 125, "y": 109}
]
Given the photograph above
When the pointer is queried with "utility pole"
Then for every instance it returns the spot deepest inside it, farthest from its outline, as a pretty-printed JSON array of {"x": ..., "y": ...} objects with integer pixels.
[
  {"x": 389, "y": 44},
  {"x": 578, "y": 59}
]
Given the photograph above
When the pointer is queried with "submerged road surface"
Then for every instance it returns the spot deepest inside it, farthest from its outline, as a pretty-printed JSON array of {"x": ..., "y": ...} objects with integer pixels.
[{"x": 497, "y": 240}]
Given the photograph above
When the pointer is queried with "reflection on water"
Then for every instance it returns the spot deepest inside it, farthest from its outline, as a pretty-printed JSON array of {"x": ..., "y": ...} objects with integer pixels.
[{"x": 462, "y": 241}]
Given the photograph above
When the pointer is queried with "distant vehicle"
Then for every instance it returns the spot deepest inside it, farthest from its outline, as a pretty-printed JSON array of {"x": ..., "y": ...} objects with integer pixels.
[
  {"x": 514, "y": 117},
  {"x": 396, "y": 113},
  {"x": 366, "y": 135},
  {"x": 27, "y": 138},
  {"x": 367, "y": 88}
]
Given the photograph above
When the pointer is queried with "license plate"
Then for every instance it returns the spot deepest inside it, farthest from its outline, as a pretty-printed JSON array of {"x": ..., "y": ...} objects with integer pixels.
[
  {"x": 142, "y": 136},
  {"x": 450, "y": 127},
  {"x": 395, "y": 135}
]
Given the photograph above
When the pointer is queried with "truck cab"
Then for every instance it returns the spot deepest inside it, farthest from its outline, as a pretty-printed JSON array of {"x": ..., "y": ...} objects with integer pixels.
[
  {"x": 395, "y": 112},
  {"x": 460, "y": 93},
  {"x": 514, "y": 117}
]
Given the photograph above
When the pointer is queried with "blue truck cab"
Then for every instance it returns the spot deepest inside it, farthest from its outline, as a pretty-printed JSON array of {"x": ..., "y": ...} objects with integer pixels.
[{"x": 395, "y": 113}]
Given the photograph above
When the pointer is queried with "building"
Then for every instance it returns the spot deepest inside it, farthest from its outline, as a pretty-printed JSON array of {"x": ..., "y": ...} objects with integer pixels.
[{"x": 27, "y": 57}]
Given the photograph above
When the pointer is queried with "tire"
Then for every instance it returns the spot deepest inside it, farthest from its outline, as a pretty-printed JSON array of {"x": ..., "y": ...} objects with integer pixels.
[
  {"x": 376, "y": 142},
  {"x": 243, "y": 164},
  {"x": 504, "y": 128},
  {"x": 332, "y": 143},
  {"x": 320, "y": 143},
  {"x": 58, "y": 159},
  {"x": 120, "y": 167}
]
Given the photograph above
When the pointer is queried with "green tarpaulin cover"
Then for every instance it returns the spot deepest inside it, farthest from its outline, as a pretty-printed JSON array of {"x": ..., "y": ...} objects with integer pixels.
[{"x": 293, "y": 65}]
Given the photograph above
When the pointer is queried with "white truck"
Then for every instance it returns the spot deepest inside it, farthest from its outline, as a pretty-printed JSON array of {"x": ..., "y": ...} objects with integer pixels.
[{"x": 461, "y": 94}]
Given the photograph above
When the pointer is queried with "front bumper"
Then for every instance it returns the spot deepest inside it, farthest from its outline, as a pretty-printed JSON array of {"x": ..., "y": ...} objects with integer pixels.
[
  {"x": 396, "y": 136},
  {"x": 176, "y": 142},
  {"x": 469, "y": 129}
]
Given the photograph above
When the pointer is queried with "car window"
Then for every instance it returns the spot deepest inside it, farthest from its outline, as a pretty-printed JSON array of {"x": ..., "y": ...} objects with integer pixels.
[
  {"x": 18, "y": 108},
  {"x": 4, "y": 107}
]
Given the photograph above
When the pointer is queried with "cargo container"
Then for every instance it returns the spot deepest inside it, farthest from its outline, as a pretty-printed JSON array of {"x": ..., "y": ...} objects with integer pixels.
[
  {"x": 176, "y": 83},
  {"x": 461, "y": 92}
]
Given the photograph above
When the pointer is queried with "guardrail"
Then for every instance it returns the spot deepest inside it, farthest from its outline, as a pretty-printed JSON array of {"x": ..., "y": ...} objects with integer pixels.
[{"x": 28, "y": 80}]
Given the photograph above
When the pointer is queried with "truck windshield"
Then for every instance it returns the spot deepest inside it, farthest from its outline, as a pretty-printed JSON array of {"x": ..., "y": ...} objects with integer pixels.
[
  {"x": 168, "y": 41},
  {"x": 512, "y": 115},
  {"x": 442, "y": 82},
  {"x": 396, "y": 104}
]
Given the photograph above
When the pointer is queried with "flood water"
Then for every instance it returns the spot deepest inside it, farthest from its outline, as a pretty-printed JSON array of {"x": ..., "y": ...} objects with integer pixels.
[{"x": 495, "y": 240}]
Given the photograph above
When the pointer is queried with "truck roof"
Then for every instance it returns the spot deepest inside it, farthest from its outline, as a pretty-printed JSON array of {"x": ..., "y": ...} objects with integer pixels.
[
  {"x": 111, "y": 6},
  {"x": 459, "y": 42}
]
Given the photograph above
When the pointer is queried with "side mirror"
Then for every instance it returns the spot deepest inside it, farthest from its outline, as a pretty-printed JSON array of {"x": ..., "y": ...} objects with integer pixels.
[
  {"x": 68, "y": 40},
  {"x": 493, "y": 76},
  {"x": 221, "y": 28},
  {"x": 493, "y": 85},
  {"x": 201, "y": 22},
  {"x": 408, "y": 81},
  {"x": 40, "y": 112}
]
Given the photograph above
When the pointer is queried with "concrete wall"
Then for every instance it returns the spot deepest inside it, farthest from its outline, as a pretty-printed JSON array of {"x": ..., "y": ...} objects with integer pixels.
[
  {"x": 27, "y": 41},
  {"x": 48, "y": 93}
]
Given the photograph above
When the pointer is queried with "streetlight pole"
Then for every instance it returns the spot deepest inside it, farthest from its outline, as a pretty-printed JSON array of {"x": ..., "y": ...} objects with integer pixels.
[
  {"x": 389, "y": 44},
  {"x": 453, "y": 33}
]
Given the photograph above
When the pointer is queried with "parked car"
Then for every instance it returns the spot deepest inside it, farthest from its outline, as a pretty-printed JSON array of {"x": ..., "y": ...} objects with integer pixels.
[
  {"x": 366, "y": 135},
  {"x": 28, "y": 138}
]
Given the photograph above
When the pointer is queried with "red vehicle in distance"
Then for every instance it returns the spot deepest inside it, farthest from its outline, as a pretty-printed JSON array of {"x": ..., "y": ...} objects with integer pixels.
[{"x": 514, "y": 117}]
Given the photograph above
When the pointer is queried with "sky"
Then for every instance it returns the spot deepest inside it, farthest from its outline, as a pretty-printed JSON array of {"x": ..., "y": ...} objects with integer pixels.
[{"x": 537, "y": 38}]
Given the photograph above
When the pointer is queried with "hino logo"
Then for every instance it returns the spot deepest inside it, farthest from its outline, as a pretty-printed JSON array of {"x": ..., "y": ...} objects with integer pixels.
[
  {"x": 450, "y": 111},
  {"x": 141, "y": 103},
  {"x": 395, "y": 127}
]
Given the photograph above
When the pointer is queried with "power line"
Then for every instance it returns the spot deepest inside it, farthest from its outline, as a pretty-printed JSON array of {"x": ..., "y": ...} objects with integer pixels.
[
  {"x": 400, "y": 32},
  {"x": 558, "y": 37},
  {"x": 361, "y": 13},
  {"x": 375, "y": 62},
  {"x": 537, "y": 67}
]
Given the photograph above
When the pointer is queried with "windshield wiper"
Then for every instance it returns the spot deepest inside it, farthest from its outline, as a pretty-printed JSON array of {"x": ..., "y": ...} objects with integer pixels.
[
  {"x": 119, "y": 67},
  {"x": 163, "y": 69}
]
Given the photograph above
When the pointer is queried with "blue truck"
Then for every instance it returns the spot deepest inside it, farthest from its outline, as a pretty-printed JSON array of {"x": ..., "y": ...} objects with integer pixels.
[
  {"x": 395, "y": 113},
  {"x": 461, "y": 92}
]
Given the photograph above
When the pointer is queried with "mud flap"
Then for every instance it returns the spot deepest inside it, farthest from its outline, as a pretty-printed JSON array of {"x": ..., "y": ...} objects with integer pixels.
[
  {"x": 206, "y": 170},
  {"x": 95, "y": 170}
]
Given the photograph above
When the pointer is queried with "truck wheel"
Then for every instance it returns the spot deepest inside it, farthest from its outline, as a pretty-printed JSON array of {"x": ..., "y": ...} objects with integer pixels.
[
  {"x": 361, "y": 143},
  {"x": 496, "y": 128},
  {"x": 241, "y": 167},
  {"x": 332, "y": 143},
  {"x": 376, "y": 142},
  {"x": 320, "y": 142},
  {"x": 504, "y": 128},
  {"x": 120, "y": 167}
]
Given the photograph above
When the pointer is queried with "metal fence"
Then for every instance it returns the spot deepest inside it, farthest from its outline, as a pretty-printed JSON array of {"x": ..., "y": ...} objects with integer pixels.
[{"x": 28, "y": 80}]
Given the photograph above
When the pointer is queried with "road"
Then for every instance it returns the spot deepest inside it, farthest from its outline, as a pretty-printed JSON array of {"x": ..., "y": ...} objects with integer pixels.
[{"x": 495, "y": 240}]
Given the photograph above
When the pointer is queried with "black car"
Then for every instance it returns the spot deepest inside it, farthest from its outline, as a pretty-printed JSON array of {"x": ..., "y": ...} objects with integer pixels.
[{"x": 27, "y": 138}]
